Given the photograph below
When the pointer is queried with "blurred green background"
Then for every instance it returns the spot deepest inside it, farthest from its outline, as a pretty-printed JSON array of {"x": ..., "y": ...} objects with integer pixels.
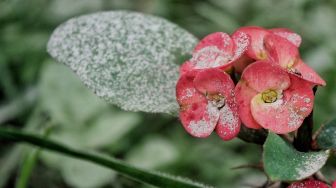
[{"x": 43, "y": 97}]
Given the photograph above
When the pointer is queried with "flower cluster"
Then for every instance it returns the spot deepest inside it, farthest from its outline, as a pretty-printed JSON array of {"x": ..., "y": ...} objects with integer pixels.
[{"x": 274, "y": 92}]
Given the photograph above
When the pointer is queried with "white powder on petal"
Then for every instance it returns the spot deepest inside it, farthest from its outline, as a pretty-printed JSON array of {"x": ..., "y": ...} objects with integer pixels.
[
  {"x": 188, "y": 93},
  {"x": 201, "y": 127},
  {"x": 228, "y": 118},
  {"x": 242, "y": 42},
  {"x": 292, "y": 37},
  {"x": 209, "y": 57},
  {"x": 307, "y": 100},
  {"x": 294, "y": 118}
]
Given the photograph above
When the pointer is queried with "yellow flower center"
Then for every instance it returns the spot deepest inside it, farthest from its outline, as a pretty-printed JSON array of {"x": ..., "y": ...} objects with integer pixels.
[
  {"x": 217, "y": 99},
  {"x": 269, "y": 96},
  {"x": 290, "y": 64},
  {"x": 262, "y": 55}
]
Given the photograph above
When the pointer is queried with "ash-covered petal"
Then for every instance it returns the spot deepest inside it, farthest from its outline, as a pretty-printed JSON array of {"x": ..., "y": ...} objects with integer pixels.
[
  {"x": 186, "y": 93},
  {"x": 221, "y": 40},
  {"x": 241, "y": 42},
  {"x": 263, "y": 75},
  {"x": 244, "y": 95},
  {"x": 228, "y": 125},
  {"x": 256, "y": 49},
  {"x": 287, "y": 34},
  {"x": 300, "y": 95},
  {"x": 309, "y": 183},
  {"x": 281, "y": 51},
  {"x": 305, "y": 72},
  {"x": 215, "y": 50},
  {"x": 219, "y": 89},
  {"x": 198, "y": 116},
  {"x": 213, "y": 82},
  {"x": 287, "y": 56},
  {"x": 186, "y": 67},
  {"x": 200, "y": 119},
  {"x": 287, "y": 113}
]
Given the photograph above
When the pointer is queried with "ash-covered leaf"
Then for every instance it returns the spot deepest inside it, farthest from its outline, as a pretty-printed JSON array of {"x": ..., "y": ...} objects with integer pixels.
[
  {"x": 128, "y": 58},
  {"x": 326, "y": 139},
  {"x": 283, "y": 162}
]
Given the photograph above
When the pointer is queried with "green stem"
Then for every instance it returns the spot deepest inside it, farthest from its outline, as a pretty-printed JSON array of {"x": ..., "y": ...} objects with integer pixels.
[
  {"x": 149, "y": 177},
  {"x": 29, "y": 162},
  {"x": 256, "y": 136}
]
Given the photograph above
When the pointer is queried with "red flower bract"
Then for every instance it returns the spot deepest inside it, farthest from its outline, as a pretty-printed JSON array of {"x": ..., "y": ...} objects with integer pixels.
[
  {"x": 286, "y": 54},
  {"x": 309, "y": 183},
  {"x": 256, "y": 49},
  {"x": 207, "y": 102},
  {"x": 271, "y": 98},
  {"x": 217, "y": 50}
]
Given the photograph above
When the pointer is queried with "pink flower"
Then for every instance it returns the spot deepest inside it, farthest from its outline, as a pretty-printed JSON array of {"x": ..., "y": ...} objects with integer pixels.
[
  {"x": 271, "y": 98},
  {"x": 286, "y": 54},
  {"x": 207, "y": 102},
  {"x": 280, "y": 46},
  {"x": 256, "y": 49},
  {"x": 309, "y": 183},
  {"x": 217, "y": 50}
]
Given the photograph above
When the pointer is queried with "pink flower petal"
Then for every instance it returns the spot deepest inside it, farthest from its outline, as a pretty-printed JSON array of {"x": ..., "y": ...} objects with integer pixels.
[
  {"x": 200, "y": 119},
  {"x": 214, "y": 81},
  {"x": 219, "y": 88},
  {"x": 186, "y": 93},
  {"x": 186, "y": 67},
  {"x": 303, "y": 71},
  {"x": 228, "y": 125},
  {"x": 244, "y": 95},
  {"x": 215, "y": 50},
  {"x": 287, "y": 34},
  {"x": 262, "y": 75},
  {"x": 241, "y": 43},
  {"x": 300, "y": 95},
  {"x": 198, "y": 116},
  {"x": 309, "y": 183},
  {"x": 281, "y": 51},
  {"x": 256, "y": 48},
  {"x": 240, "y": 64},
  {"x": 221, "y": 40},
  {"x": 287, "y": 113},
  {"x": 286, "y": 55}
]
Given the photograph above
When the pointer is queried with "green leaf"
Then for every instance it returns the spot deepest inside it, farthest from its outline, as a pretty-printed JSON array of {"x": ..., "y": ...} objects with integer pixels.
[
  {"x": 142, "y": 155},
  {"x": 283, "y": 162},
  {"x": 82, "y": 174},
  {"x": 65, "y": 98},
  {"x": 149, "y": 177},
  {"x": 130, "y": 59},
  {"x": 326, "y": 139},
  {"x": 109, "y": 128}
]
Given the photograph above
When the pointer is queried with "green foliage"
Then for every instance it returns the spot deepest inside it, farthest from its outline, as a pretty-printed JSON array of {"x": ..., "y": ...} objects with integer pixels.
[
  {"x": 149, "y": 177},
  {"x": 63, "y": 96},
  {"x": 283, "y": 162},
  {"x": 153, "y": 153},
  {"x": 130, "y": 59},
  {"x": 26, "y": 25},
  {"x": 326, "y": 138},
  {"x": 86, "y": 122},
  {"x": 83, "y": 174}
]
